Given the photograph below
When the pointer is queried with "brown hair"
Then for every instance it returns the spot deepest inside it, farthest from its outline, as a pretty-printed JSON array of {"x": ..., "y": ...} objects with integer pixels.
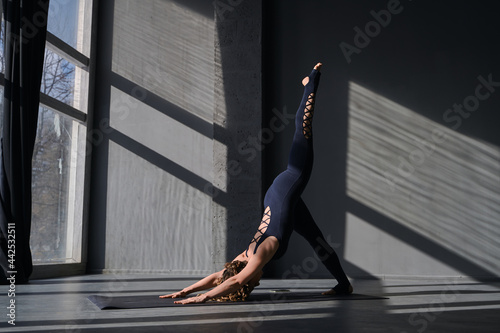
[{"x": 231, "y": 269}]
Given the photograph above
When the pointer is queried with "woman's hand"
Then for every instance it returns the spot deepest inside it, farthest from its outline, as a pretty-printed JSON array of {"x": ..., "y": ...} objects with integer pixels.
[
  {"x": 178, "y": 294},
  {"x": 191, "y": 300}
]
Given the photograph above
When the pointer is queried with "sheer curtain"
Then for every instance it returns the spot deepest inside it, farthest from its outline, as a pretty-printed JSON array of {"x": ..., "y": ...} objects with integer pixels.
[{"x": 25, "y": 29}]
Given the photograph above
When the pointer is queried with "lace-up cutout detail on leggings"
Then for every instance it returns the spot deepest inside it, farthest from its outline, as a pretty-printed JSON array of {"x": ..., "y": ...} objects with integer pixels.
[
  {"x": 262, "y": 228},
  {"x": 308, "y": 116}
]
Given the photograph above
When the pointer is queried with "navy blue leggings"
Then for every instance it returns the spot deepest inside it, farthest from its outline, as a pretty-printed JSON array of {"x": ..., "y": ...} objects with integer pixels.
[
  {"x": 305, "y": 226},
  {"x": 286, "y": 211}
]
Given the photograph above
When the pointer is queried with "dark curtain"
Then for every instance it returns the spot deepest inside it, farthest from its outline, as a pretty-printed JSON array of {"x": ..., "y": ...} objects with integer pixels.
[{"x": 25, "y": 30}]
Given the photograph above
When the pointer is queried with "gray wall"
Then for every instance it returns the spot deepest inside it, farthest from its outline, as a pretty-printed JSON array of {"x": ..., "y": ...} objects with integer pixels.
[
  {"x": 148, "y": 209},
  {"x": 237, "y": 203},
  {"x": 175, "y": 97},
  {"x": 401, "y": 185}
]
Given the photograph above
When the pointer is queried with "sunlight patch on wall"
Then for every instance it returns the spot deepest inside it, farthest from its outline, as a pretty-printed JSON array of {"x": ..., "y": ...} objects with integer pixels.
[
  {"x": 171, "y": 55},
  {"x": 149, "y": 214},
  {"x": 381, "y": 254},
  {"x": 439, "y": 183},
  {"x": 159, "y": 132}
]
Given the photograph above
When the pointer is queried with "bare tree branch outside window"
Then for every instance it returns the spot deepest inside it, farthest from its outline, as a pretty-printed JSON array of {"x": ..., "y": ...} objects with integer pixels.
[{"x": 51, "y": 158}]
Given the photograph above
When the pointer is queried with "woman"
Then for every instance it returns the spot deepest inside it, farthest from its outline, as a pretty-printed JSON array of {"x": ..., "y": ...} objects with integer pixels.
[{"x": 285, "y": 211}]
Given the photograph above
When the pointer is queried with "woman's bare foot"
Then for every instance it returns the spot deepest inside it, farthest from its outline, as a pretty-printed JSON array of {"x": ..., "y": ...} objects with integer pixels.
[
  {"x": 317, "y": 67},
  {"x": 339, "y": 291}
]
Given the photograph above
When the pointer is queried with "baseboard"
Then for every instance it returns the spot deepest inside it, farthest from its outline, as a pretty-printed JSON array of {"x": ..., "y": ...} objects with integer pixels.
[
  {"x": 46, "y": 271},
  {"x": 169, "y": 272},
  {"x": 427, "y": 277}
]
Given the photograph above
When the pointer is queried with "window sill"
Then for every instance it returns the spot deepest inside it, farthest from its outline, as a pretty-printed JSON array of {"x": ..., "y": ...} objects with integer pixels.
[{"x": 52, "y": 270}]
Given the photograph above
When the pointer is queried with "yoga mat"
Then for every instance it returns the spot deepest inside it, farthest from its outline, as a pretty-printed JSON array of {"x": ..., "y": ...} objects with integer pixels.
[{"x": 153, "y": 301}]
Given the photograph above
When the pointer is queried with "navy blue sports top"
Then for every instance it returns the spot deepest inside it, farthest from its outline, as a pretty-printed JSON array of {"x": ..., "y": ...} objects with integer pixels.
[{"x": 285, "y": 191}]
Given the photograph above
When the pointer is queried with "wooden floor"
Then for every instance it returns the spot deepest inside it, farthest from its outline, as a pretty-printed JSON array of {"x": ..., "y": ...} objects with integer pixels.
[{"x": 442, "y": 305}]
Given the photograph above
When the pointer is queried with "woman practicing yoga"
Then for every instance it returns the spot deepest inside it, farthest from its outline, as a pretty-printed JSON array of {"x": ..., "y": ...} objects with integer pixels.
[{"x": 284, "y": 212}]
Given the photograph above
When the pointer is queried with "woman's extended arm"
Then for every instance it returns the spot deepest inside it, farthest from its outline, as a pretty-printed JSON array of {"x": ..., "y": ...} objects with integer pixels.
[
  {"x": 205, "y": 283},
  {"x": 254, "y": 267},
  {"x": 230, "y": 285}
]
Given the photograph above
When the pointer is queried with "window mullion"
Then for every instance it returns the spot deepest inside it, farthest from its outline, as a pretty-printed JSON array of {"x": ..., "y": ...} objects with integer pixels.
[
  {"x": 64, "y": 108},
  {"x": 64, "y": 50}
]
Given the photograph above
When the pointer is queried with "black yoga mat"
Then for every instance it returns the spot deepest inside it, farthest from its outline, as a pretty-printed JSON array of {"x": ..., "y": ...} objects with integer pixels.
[{"x": 153, "y": 301}]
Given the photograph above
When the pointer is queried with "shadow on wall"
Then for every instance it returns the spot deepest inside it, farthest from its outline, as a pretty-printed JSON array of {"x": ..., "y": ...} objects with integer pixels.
[
  {"x": 426, "y": 202},
  {"x": 420, "y": 177},
  {"x": 171, "y": 191},
  {"x": 406, "y": 176},
  {"x": 152, "y": 139},
  {"x": 237, "y": 126}
]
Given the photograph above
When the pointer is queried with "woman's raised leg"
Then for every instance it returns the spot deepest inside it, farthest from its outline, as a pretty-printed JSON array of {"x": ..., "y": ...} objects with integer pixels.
[{"x": 301, "y": 153}]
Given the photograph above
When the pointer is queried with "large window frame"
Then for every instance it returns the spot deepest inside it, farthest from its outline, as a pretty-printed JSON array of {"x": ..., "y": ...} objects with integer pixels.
[{"x": 77, "y": 229}]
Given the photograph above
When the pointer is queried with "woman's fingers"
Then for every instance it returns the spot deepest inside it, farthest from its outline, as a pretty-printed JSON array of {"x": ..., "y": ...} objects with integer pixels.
[
  {"x": 197, "y": 299},
  {"x": 185, "y": 301},
  {"x": 176, "y": 295}
]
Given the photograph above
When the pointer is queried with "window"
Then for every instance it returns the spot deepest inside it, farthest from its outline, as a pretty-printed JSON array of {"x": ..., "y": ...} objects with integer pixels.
[{"x": 60, "y": 159}]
